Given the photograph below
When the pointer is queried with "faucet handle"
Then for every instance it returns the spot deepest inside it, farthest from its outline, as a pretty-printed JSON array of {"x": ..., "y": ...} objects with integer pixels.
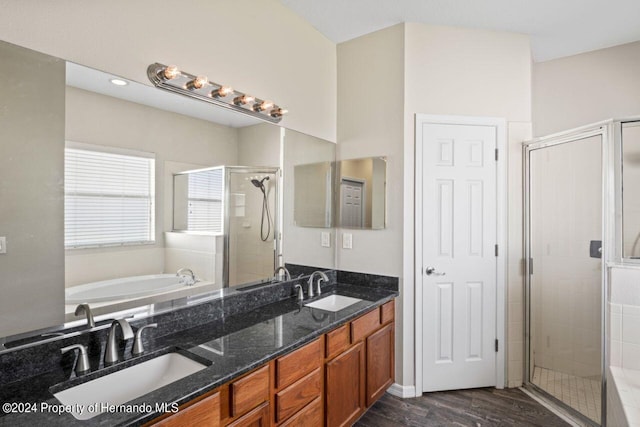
[
  {"x": 82, "y": 365},
  {"x": 138, "y": 348},
  {"x": 298, "y": 287}
]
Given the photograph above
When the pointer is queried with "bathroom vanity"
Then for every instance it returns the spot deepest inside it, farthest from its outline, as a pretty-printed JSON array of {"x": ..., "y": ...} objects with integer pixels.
[
  {"x": 335, "y": 377},
  {"x": 268, "y": 359}
]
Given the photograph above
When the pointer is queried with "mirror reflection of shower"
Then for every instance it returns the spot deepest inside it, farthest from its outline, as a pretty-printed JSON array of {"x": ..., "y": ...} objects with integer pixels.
[
  {"x": 237, "y": 224},
  {"x": 266, "y": 215}
]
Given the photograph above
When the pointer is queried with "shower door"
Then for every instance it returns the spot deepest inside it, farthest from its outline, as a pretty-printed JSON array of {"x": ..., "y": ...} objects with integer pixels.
[
  {"x": 565, "y": 282},
  {"x": 251, "y": 224}
]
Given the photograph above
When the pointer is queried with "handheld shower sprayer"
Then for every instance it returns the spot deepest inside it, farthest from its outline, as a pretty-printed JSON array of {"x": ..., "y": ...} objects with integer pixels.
[
  {"x": 260, "y": 184},
  {"x": 265, "y": 208}
]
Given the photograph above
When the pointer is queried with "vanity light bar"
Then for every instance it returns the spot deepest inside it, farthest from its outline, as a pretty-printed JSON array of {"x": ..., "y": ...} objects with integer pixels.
[{"x": 170, "y": 78}]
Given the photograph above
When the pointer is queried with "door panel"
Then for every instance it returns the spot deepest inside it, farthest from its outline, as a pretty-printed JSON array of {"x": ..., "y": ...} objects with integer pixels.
[
  {"x": 459, "y": 234},
  {"x": 565, "y": 193}
]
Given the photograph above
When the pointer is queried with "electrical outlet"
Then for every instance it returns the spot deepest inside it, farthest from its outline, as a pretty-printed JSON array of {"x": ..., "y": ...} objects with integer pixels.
[
  {"x": 3, "y": 245},
  {"x": 326, "y": 239},
  {"x": 347, "y": 241}
]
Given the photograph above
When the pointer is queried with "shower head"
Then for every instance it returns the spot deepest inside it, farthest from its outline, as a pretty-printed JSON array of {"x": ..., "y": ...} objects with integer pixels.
[{"x": 259, "y": 184}]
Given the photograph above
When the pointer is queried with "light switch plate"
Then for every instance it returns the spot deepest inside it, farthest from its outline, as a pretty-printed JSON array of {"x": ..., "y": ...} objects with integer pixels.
[
  {"x": 326, "y": 239},
  {"x": 347, "y": 241},
  {"x": 3, "y": 245}
]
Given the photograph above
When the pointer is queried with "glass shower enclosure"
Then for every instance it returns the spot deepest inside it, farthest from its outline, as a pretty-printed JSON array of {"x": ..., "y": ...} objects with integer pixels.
[
  {"x": 565, "y": 280},
  {"x": 239, "y": 207}
]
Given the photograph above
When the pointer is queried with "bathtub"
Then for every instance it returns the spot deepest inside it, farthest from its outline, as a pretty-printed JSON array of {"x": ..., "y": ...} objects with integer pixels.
[{"x": 124, "y": 288}]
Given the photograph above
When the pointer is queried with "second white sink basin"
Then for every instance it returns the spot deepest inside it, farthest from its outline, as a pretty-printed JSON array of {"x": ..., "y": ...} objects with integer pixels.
[
  {"x": 333, "y": 303},
  {"x": 125, "y": 385}
]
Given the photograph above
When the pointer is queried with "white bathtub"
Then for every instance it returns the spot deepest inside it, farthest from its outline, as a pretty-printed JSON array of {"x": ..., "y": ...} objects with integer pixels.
[{"x": 124, "y": 288}]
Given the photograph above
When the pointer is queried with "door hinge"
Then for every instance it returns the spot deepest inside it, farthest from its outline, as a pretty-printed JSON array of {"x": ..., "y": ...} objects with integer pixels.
[
  {"x": 496, "y": 154},
  {"x": 496, "y": 249},
  {"x": 496, "y": 345}
]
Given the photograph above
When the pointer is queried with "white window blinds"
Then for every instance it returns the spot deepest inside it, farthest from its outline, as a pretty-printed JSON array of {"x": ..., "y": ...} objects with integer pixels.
[
  {"x": 109, "y": 197},
  {"x": 205, "y": 201}
]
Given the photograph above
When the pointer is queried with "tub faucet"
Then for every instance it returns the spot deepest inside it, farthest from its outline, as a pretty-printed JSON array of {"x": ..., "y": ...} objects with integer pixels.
[
  {"x": 323, "y": 278},
  {"x": 187, "y": 272},
  {"x": 86, "y": 310},
  {"x": 287, "y": 275},
  {"x": 111, "y": 354}
]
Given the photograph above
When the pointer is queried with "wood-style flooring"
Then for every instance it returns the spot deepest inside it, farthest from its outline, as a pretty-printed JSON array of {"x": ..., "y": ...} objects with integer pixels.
[{"x": 476, "y": 408}]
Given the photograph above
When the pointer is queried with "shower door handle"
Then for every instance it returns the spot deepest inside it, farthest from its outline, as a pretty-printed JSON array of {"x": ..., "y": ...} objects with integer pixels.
[{"x": 431, "y": 271}]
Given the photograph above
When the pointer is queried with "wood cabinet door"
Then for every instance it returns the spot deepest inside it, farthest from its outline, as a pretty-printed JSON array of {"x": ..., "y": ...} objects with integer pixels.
[
  {"x": 380, "y": 369},
  {"x": 204, "y": 413},
  {"x": 345, "y": 387}
]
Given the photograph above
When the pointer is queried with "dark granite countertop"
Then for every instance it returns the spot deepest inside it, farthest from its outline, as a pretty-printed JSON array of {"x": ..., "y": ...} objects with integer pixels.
[{"x": 232, "y": 346}]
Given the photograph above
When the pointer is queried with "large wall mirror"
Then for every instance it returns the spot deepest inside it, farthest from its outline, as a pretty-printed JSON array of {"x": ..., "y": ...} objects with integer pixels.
[
  {"x": 630, "y": 148},
  {"x": 348, "y": 194},
  {"x": 70, "y": 121}
]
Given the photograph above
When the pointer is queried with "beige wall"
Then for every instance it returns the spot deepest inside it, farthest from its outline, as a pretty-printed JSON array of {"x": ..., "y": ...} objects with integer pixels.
[
  {"x": 259, "y": 145},
  {"x": 586, "y": 88},
  {"x": 31, "y": 178},
  {"x": 258, "y": 46},
  {"x": 302, "y": 245},
  {"x": 103, "y": 120},
  {"x": 416, "y": 68},
  {"x": 455, "y": 71}
]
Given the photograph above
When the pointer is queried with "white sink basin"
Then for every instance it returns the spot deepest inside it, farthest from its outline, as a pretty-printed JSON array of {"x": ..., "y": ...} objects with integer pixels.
[
  {"x": 333, "y": 303},
  {"x": 125, "y": 385}
]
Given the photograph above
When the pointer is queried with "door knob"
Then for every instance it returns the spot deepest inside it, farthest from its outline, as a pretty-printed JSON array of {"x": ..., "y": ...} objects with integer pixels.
[{"x": 431, "y": 271}]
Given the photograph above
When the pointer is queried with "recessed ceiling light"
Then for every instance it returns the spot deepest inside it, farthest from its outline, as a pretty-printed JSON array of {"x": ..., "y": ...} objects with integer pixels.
[{"x": 119, "y": 82}]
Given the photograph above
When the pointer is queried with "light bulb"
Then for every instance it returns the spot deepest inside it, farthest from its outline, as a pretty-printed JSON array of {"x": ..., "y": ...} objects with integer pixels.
[
  {"x": 278, "y": 112},
  {"x": 244, "y": 99},
  {"x": 264, "y": 105},
  {"x": 170, "y": 72},
  {"x": 200, "y": 81},
  {"x": 222, "y": 92}
]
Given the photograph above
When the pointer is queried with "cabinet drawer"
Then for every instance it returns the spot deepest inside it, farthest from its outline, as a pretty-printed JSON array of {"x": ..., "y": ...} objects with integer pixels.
[
  {"x": 337, "y": 341},
  {"x": 310, "y": 416},
  {"x": 259, "y": 417},
  {"x": 250, "y": 391},
  {"x": 204, "y": 413},
  {"x": 364, "y": 325},
  {"x": 294, "y": 366},
  {"x": 298, "y": 395},
  {"x": 387, "y": 312}
]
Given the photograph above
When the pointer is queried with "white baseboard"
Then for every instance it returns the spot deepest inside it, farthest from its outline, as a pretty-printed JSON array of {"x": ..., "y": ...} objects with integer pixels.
[{"x": 402, "y": 391}]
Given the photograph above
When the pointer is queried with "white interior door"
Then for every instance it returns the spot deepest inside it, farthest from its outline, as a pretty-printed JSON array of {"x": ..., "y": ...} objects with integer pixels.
[
  {"x": 351, "y": 206},
  {"x": 459, "y": 276}
]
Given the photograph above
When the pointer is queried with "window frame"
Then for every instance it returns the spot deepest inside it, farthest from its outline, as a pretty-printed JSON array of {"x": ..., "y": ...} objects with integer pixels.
[{"x": 151, "y": 197}]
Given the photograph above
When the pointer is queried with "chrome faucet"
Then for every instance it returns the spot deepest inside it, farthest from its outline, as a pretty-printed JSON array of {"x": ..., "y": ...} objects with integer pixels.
[
  {"x": 82, "y": 365},
  {"x": 287, "y": 275},
  {"x": 187, "y": 272},
  {"x": 323, "y": 278},
  {"x": 86, "y": 310},
  {"x": 111, "y": 353},
  {"x": 138, "y": 348}
]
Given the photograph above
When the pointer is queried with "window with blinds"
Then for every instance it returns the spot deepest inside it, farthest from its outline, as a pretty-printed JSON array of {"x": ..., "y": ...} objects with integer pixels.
[
  {"x": 109, "y": 196},
  {"x": 205, "y": 201}
]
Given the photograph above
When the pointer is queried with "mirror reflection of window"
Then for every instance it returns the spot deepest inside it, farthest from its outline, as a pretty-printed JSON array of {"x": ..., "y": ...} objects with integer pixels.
[
  {"x": 631, "y": 189},
  {"x": 205, "y": 201},
  {"x": 109, "y": 196}
]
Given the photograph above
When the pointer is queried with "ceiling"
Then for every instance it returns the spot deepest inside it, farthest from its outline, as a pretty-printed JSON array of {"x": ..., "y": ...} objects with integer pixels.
[{"x": 557, "y": 27}]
